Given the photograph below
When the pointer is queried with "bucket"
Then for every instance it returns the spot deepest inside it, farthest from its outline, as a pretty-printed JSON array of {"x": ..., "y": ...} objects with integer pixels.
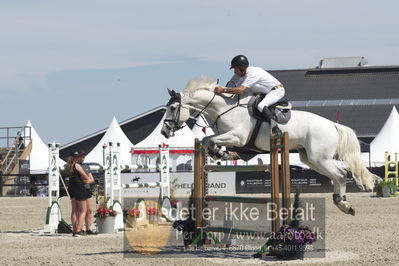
[
  {"x": 293, "y": 251},
  {"x": 106, "y": 225},
  {"x": 386, "y": 191}
]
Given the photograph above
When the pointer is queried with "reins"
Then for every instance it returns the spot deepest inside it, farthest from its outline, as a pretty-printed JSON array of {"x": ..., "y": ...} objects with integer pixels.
[
  {"x": 220, "y": 115},
  {"x": 214, "y": 125}
]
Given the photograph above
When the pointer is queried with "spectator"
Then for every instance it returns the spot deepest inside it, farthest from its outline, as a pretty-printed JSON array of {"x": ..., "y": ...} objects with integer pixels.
[
  {"x": 20, "y": 144},
  {"x": 79, "y": 184}
]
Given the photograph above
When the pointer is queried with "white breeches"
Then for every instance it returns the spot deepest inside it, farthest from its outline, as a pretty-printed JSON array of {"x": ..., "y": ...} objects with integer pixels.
[{"x": 271, "y": 98}]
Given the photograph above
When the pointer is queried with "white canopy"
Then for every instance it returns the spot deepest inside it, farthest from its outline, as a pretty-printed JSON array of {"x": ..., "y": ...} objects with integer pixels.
[
  {"x": 114, "y": 134},
  {"x": 39, "y": 155},
  {"x": 386, "y": 140},
  {"x": 183, "y": 138}
]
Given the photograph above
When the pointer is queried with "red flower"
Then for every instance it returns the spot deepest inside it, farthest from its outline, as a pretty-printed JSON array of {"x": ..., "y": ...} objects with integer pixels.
[
  {"x": 134, "y": 213},
  {"x": 152, "y": 211},
  {"x": 104, "y": 211}
]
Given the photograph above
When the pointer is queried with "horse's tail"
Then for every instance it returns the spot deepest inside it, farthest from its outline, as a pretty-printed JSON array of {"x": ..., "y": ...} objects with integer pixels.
[{"x": 348, "y": 150}]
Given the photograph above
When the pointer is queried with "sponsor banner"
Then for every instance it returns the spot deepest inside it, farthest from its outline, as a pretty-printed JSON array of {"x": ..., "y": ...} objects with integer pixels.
[
  {"x": 182, "y": 182},
  {"x": 308, "y": 181},
  {"x": 221, "y": 183},
  {"x": 230, "y": 183}
]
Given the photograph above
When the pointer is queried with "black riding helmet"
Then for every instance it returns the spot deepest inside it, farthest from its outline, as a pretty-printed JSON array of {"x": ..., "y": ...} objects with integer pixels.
[
  {"x": 78, "y": 153},
  {"x": 239, "y": 61}
]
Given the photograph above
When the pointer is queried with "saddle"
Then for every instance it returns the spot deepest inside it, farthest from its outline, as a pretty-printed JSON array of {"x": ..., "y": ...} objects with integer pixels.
[{"x": 280, "y": 111}]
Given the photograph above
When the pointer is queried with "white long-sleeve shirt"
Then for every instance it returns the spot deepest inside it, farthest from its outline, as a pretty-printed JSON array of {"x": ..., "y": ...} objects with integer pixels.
[{"x": 256, "y": 79}]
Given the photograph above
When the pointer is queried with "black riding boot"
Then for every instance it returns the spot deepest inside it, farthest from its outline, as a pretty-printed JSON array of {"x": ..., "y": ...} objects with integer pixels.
[{"x": 267, "y": 113}]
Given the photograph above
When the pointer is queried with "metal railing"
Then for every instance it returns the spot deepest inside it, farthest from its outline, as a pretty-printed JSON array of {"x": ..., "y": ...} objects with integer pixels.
[
  {"x": 13, "y": 140},
  {"x": 19, "y": 189}
]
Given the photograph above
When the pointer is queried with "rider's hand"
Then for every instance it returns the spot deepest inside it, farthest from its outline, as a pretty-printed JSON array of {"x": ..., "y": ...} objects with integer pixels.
[{"x": 218, "y": 89}]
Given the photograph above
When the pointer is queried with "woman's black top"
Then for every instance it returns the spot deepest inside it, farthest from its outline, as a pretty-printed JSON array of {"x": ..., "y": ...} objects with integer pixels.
[{"x": 77, "y": 186}]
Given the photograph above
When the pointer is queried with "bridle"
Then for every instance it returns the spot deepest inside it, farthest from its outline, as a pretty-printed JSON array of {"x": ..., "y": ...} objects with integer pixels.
[{"x": 175, "y": 97}]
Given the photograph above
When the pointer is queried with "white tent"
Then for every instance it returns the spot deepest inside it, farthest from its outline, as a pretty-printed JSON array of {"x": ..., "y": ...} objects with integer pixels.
[
  {"x": 183, "y": 138},
  {"x": 181, "y": 147},
  {"x": 39, "y": 155},
  {"x": 387, "y": 140},
  {"x": 201, "y": 129},
  {"x": 114, "y": 134}
]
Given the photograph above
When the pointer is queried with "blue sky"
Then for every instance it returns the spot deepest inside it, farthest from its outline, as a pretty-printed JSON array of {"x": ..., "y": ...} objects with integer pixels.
[{"x": 70, "y": 66}]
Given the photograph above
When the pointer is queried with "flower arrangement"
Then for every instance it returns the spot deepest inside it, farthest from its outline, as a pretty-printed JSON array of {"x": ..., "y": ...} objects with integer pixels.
[
  {"x": 297, "y": 236},
  {"x": 132, "y": 216},
  {"x": 103, "y": 211},
  {"x": 134, "y": 213},
  {"x": 291, "y": 240},
  {"x": 152, "y": 211}
]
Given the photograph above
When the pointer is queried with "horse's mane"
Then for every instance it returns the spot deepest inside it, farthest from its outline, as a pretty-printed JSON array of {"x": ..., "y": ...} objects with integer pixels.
[{"x": 202, "y": 83}]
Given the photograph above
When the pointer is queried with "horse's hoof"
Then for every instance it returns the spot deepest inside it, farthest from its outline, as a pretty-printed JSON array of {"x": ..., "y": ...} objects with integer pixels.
[
  {"x": 345, "y": 208},
  {"x": 234, "y": 156}
]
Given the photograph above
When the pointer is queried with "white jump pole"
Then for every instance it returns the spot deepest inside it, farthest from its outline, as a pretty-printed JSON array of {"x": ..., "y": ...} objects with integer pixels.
[
  {"x": 115, "y": 188},
  {"x": 164, "y": 171},
  {"x": 53, "y": 215}
]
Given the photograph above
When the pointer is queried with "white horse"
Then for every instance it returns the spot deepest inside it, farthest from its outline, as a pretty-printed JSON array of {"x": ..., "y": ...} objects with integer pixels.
[{"x": 327, "y": 147}]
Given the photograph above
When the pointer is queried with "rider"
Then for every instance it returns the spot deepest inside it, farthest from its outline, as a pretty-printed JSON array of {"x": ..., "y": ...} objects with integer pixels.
[{"x": 255, "y": 80}]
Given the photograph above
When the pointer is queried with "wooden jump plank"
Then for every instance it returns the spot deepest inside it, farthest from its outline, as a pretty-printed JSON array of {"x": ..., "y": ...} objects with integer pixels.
[
  {"x": 275, "y": 182},
  {"x": 286, "y": 176},
  {"x": 198, "y": 184},
  {"x": 237, "y": 199},
  {"x": 236, "y": 168},
  {"x": 278, "y": 146},
  {"x": 234, "y": 231}
]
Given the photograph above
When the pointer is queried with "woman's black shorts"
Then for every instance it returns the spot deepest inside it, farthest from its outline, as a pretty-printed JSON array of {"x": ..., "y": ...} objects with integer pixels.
[{"x": 78, "y": 191}]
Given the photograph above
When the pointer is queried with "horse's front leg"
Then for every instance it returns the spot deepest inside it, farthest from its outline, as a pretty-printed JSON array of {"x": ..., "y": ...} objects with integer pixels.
[{"x": 213, "y": 143}]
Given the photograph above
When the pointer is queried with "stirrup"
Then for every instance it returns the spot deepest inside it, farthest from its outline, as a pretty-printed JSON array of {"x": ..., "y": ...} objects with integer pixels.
[{"x": 277, "y": 131}]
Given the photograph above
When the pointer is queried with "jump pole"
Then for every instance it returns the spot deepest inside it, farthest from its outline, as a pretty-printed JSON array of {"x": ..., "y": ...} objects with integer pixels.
[
  {"x": 199, "y": 185},
  {"x": 279, "y": 145},
  {"x": 53, "y": 214}
]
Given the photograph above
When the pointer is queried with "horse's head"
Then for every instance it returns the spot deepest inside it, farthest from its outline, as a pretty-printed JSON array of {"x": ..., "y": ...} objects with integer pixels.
[{"x": 176, "y": 115}]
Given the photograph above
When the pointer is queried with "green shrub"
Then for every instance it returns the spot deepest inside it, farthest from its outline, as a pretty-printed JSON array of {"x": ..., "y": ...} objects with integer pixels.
[{"x": 379, "y": 186}]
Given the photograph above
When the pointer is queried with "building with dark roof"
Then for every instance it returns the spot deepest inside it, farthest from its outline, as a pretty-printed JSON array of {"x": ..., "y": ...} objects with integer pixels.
[
  {"x": 136, "y": 129},
  {"x": 360, "y": 97}
]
